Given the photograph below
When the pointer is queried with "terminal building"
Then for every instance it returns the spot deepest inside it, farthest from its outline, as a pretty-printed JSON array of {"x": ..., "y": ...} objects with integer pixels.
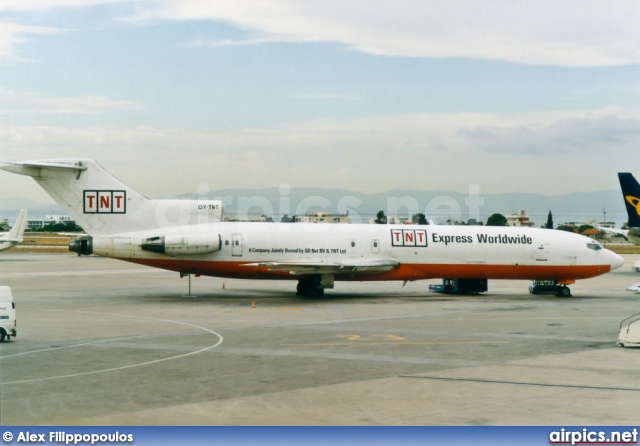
[
  {"x": 601, "y": 224},
  {"x": 39, "y": 223}
]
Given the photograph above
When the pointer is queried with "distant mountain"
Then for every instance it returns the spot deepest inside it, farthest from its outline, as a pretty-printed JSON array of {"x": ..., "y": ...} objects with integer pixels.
[
  {"x": 21, "y": 203},
  {"x": 10, "y": 207},
  {"x": 438, "y": 205}
]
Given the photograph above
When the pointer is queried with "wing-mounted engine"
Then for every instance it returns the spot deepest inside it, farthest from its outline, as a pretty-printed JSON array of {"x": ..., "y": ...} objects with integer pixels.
[{"x": 183, "y": 245}]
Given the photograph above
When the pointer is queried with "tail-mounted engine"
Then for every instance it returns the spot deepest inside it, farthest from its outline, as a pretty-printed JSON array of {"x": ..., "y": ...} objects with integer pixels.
[
  {"x": 83, "y": 245},
  {"x": 176, "y": 245}
]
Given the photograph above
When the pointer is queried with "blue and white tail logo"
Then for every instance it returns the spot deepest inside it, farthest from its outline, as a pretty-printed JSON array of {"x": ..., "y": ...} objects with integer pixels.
[
  {"x": 105, "y": 202},
  {"x": 631, "y": 192}
]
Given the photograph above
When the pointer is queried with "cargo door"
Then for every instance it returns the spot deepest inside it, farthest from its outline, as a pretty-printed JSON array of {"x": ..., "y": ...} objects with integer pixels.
[
  {"x": 542, "y": 251},
  {"x": 236, "y": 245}
]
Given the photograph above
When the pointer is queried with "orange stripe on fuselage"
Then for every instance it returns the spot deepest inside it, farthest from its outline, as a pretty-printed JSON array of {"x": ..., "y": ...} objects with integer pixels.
[{"x": 236, "y": 270}]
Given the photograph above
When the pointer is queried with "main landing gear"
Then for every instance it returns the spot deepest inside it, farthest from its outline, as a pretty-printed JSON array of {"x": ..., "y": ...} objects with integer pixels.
[
  {"x": 314, "y": 285},
  {"x": 309, "y": 289}
]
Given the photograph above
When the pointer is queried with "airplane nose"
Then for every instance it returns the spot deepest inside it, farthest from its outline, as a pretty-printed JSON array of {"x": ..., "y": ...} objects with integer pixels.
[{"x": 616, "y": 260}]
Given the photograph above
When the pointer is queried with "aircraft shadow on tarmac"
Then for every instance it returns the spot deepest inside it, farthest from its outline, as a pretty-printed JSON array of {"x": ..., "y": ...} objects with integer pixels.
[{"x": 242, "y": 296}]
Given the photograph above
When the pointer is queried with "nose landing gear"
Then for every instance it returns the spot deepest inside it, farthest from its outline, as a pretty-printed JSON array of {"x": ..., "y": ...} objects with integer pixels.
[{"x": 549, "y": 287}]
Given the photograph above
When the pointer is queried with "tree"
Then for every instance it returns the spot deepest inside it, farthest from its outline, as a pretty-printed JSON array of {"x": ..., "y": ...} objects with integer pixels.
[
  {"x": 568, "y": 228},
  {"x": 419, "y": 219},
  {"x": 69, "y": 226},
  {"x": 549, "y": 224},
  {"x": 497, "y": 220},
  {"x": 583, "y": 228},
  {"x": 381, "y": 219}
]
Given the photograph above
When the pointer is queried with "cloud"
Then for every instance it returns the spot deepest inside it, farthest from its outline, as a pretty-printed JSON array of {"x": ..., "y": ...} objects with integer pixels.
[
  {"x": 570, "y": 150},
  {"x": 575, "y": 134},
  {"x": 12, "y": 102},
  {"x": 47, "y": 5},
  {"x": 13, "y": 34},
  {"x": 326, "y": 96},
  {"x": 544, "y": 32},
  {"x": 205, "y": 43},
  {"x": 568, "y": 33},
  {"x": 555, "y": 133}
]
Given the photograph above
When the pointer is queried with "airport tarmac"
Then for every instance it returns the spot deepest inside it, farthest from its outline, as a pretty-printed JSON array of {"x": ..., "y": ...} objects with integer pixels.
[{"x": 104, "y": 342}]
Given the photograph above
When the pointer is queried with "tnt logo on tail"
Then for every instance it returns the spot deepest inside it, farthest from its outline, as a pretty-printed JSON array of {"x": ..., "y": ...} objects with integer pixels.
[{"x": 105, "y": 202}]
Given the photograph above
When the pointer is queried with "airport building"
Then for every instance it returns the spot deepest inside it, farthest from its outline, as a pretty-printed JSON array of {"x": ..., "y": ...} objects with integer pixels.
[
  {"x": 519, "y": 219},
  {"x": 322, "y": 217},
  {"x": 601, "y": 224},
  {"x": 39, "y": 223},
  {"x": 594, "y": 223}
]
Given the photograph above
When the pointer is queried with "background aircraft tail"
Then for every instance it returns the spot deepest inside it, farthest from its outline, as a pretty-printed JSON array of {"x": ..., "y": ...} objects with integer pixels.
[
  {"x": 102, "y": 204},
  {"x": 17, "y": 231},
  {"x": 631, "y": 194}
]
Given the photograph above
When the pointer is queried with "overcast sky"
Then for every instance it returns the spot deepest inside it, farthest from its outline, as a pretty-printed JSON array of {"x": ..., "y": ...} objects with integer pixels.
[{"x": 368, "y": 95}]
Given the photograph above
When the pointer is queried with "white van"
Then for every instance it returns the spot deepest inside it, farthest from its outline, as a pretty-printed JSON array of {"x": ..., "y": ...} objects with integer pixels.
[{"x": 7, "y": 314}]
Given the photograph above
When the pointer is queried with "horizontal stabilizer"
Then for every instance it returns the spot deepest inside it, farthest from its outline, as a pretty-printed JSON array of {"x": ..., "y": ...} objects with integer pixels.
[{"x": 27, "y": 167}]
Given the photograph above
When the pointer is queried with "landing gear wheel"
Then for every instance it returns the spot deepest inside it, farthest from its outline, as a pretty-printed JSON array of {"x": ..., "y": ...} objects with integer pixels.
[
  {"x": 309, "y": 288},
  {"x": 2, "y": 335}
]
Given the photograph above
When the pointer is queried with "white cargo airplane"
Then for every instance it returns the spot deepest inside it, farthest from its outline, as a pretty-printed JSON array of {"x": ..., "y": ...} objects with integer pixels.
[
  {"x": 14, "y": 236},
  {"x": 189, "y": 237}
]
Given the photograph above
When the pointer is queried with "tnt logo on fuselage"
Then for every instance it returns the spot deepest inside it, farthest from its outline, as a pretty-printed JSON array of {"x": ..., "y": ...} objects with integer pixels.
[
  {"x": 409, "y": 237},
  {"x": 105, "y": 202}
]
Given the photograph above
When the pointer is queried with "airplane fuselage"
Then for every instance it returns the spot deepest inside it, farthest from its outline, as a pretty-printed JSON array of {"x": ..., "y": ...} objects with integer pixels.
[
  {"x": 422, "y": 252},
  {"x": 190, "y": 236},
  {"x": 14, "y": 236},
  {"x": 633, "y": 236},
  {"x": 7, "y": 245}
]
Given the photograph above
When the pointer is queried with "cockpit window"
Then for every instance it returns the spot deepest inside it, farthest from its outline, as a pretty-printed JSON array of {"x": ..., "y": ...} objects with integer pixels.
[{"x": 595, "y": 246}]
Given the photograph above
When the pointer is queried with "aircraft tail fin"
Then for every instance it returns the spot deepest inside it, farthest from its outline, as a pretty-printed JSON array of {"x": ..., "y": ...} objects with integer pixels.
[
  {"x": 17, "y": 231},
  {"x": 631, "y": 194},
  {"x": 102, "y": 204}
]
